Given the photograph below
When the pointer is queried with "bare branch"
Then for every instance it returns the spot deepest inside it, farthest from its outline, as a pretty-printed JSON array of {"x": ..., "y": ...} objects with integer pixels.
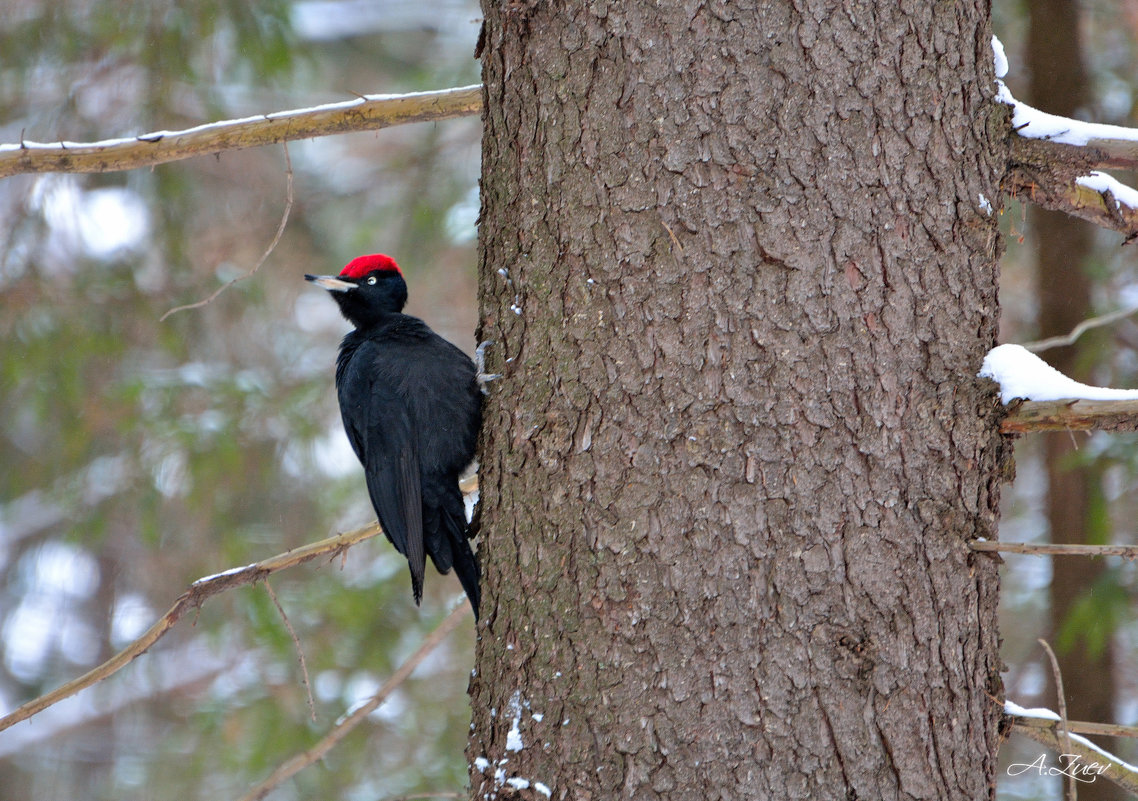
[
  {"x": 296, "y": 645},
  {"x": 1120, "y": 154},
  {"x": 338, "y": 732},
  {"x": 1079, "y": 727},
  {"x": 1071, "y": 415},
  {"x": 368, "y": 113},
  {"x": 171, "y": 671},
  {"x": 1064, "y": 731},
  {"x": 1080, "y": 329},
  {"x": 193, "y": 598},
  {"x": 264, "y": 256},
  {"x": 1054, "y": 549},
  {"x": 1047, "y": 733}
]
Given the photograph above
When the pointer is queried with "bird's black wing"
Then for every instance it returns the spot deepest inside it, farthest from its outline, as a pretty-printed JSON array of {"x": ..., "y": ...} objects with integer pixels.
[{"x": 378, "y": 423}]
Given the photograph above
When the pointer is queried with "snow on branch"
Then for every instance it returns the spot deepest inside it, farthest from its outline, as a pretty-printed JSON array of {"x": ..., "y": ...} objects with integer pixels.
[
  {"x": 1079, "y": 758},
  {"x": 1040, "y": 398},
  {"x": 367, "y": 113},
  {"x": 1061, "y": 178},
  {"x": 1053, "y": 161},
  {"x": 1118, "y": 143},
  {"x": 1022, "y": 374}
]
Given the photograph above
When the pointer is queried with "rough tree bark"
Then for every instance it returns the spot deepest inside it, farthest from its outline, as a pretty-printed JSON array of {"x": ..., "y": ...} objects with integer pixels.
[{"x": 739, "y": 276}]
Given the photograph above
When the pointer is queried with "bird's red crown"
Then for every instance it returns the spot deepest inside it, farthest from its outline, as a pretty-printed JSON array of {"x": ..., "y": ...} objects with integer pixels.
[{"x": 361, "y": 266}]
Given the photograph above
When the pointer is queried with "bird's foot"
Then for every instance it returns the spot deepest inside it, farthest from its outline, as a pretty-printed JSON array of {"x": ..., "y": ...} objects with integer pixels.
[{"x": 483, "y": 377}]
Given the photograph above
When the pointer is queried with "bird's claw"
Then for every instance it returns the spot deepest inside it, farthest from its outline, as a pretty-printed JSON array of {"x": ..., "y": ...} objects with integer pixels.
[{"x": 482, "y": 376}]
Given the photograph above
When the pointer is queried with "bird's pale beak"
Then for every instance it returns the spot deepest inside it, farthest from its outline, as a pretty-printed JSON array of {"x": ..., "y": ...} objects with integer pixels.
[{"x": 330, "y": 282}]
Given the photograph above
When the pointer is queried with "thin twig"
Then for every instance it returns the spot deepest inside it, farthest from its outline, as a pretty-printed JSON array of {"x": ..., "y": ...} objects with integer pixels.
[
  {"x": 1080, "y": 329},
  {"x": 1079, "y": 727},
  {"x": 1054, "y": 549},
  {"x": 264, "y": 256},
  {"x": 1113, "y": 769},
  {"x": 299, "y": 650},
  {"x": 341, "y": 729},
  {"x": 145, "y": 150},
  {"x": 193, "y": 598},
  {"x": 1064, "y": 728},
  {"x": 672, "y": 236}
]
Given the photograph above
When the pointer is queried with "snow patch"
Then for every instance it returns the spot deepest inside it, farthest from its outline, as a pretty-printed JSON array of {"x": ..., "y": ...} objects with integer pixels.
[
  {"x": 1032, "y": 123},
  {"x": 1103, "y": 183},
  {"x": 514, "y": 736},
  {"x": 1012, "y": 708},
  {"x": 516, "y": 707},
  {"x": 1022, "y": 374},
  {"x": 215, "y": 576},
  {"x": 1000, "y": 57},
  {"x": 500, "y": 779}
]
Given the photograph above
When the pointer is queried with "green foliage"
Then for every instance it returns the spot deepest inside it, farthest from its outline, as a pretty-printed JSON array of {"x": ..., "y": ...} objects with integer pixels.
[
  {"x": 1095, "y": 617},
  {"x": 165, "y": 451}
]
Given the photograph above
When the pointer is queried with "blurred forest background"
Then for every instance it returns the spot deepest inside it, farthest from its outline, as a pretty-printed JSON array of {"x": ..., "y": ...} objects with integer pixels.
[{"x": 137, "y": 456}]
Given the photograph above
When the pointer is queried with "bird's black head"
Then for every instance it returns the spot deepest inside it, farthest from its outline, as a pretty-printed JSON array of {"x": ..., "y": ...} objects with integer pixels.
[{"x": 367, "y": 289}]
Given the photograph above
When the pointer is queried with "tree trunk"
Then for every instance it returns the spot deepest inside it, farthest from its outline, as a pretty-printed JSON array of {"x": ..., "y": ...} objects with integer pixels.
[{"x": 739, "y": 276}]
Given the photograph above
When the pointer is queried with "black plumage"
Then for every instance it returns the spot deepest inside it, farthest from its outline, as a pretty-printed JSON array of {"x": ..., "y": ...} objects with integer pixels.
[{"x": 411, "y": 407}]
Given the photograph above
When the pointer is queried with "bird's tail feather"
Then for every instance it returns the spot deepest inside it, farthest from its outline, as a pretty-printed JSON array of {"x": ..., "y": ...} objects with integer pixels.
[
  {"x": 466, "y": 568},
  {"x": 448, "y": 545}
]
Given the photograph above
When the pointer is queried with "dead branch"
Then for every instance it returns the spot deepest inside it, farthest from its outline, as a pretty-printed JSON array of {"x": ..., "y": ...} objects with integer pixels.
[
  {"x": 1050, "y": 190},
  {"x": 295, "y": 644},
  {"x": 1086, "y": 325},
  {"x": 193, "y": 598},
  {"x": 367, "y": 113},
  {"x": 1097, "y": 153},
  {"x": 264, "y": 256},
  {"x": 1053, "y": 549},
  {"x": 1071, "y": 415},
  {"x": 1063, "y": 732},
  {"x": 341, "y": 729},
  {"x": 1047, "y": 733},
  {"x": 1078, "y": 727}
]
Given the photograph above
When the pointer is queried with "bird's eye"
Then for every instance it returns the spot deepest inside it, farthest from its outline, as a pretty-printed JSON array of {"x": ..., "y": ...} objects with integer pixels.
[{"x": 371, "y": 280}]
